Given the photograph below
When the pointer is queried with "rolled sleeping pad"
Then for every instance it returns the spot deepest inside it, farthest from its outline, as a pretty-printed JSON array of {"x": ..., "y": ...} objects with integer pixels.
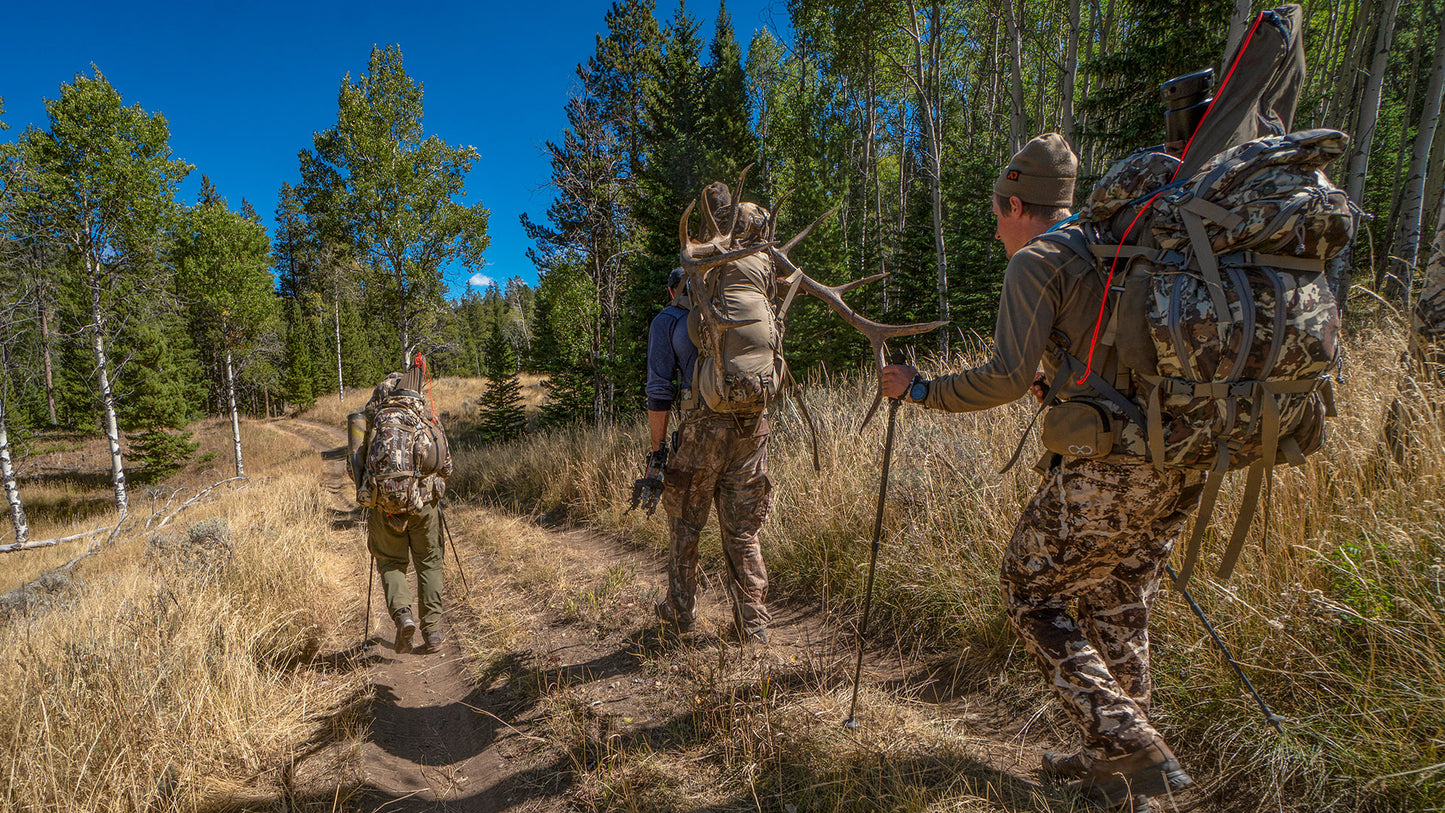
[{"x": 356, "y": 444}]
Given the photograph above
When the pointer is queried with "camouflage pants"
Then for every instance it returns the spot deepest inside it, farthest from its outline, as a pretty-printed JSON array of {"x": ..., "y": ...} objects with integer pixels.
[
  {"x": 420, "y": 542},
  {"x": 1097, "y": 534},
  {"x": 721, "y": 460}
]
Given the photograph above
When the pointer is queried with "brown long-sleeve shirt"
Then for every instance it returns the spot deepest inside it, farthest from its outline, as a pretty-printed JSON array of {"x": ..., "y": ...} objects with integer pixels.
[{"x": 1046, "y": 287}]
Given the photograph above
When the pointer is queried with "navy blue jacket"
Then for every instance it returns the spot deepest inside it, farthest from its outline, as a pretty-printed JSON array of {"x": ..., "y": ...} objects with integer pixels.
[{"x": 669, "y": 351}]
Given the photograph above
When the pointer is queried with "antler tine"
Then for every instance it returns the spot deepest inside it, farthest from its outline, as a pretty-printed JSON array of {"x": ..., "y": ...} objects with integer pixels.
[
  {"x": 858, "y": 283},
  {"x": 682, "y": 234},
  {"x": 707, "y": 215},
  {"x": 773, "y": 218},
  {"x": 737, "y": 203},
  {"x": 798, "y": 238}
]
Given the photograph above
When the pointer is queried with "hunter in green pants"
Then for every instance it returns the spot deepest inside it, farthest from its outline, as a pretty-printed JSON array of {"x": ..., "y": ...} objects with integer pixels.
[{"x": 422, "y": 541}]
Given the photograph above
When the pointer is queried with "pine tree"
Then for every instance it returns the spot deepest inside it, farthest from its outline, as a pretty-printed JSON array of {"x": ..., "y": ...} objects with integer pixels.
[
  {"x": 162, "y": 388},
  {"x": 299, "y": 365},
  {"x": 501, "y": 416}
]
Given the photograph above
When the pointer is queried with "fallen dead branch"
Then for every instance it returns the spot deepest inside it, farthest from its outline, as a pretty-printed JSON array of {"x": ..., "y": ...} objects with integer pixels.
[{"x": 15, "y": 547}]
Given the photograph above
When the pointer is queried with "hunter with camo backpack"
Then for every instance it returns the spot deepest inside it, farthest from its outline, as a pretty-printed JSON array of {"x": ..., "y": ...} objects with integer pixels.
[
  {"x": 720, "y": 453},
  {"x": 1186, "y": 329},
  {"x": 402, "y": 480}
]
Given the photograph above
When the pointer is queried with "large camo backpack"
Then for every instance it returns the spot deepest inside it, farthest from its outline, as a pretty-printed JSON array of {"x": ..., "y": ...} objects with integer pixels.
[
  {"x": 1224, "y": 324},
  {"x": 403, "y": 456},
  {"x": 740, "y": 370}
]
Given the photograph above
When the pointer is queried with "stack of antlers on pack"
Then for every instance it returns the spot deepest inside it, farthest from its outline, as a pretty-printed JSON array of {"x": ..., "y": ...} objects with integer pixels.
[
  {"x": 405, "y": 452},
  {"x": 1224, "y": 324}
]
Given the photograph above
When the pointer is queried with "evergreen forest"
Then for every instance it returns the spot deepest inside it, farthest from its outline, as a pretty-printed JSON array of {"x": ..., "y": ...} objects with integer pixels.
[{"x": 128, "y": 314}]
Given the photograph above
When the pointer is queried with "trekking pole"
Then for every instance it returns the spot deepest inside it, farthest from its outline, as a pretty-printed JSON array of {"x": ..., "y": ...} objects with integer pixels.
[
  {"x": 1272, "y": 718},
  {"x": 455, "y": 556},
  {"x": 893, "y": 404},
  {"x": 370, "y": 579}
]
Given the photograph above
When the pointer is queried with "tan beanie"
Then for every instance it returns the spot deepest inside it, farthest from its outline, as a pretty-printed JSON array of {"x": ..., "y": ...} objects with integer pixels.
[{"x": 1041, "y": 173}]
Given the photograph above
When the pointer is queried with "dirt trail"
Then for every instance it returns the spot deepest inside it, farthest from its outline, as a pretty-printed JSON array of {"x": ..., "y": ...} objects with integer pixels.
[{"x": 555, "y": 665}]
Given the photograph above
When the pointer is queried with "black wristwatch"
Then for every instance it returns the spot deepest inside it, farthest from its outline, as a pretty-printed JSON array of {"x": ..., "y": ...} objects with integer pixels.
[{"x": 918, "y": 389}]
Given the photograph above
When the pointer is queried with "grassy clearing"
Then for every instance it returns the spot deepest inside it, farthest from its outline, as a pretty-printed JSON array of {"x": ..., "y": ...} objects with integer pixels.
[
  {"x": 186, "y": 668},
  {"x": 1337, "y": 616},
  {"x": 454, "y": 400}
]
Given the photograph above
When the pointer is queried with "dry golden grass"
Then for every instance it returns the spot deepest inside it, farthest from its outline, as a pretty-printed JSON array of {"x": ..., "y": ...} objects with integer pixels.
[
  {"x": 1339, "y": 616},
  {"x": 166, "y": 673}
]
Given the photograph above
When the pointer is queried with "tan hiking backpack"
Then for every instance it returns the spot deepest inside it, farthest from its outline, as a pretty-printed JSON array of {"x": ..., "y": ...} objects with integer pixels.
[{"x": 740, "y": 367}]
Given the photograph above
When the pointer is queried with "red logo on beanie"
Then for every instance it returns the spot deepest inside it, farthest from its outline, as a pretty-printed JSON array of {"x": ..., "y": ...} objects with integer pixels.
[{"x": 1013, "y": 175}]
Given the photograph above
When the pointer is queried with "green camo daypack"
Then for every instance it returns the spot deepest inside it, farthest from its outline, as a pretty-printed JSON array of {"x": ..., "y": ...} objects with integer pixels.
[
  {"x": 406, "y": 457},
  {"x": 1222, "y": 316}
]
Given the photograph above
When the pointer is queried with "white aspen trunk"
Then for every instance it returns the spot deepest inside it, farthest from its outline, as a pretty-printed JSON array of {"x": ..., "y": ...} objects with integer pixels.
[
  {"x": 1370, "y": 106},
  {"x": 7, "y": 468},
  {"x": 1425, "y": 320},
  {"x": 107, "y": 396},
  {"x": 1369, "y": 111},
  {"x": 336, "y": 321},
  {"x": 235, "y": 417},
  {"x": 1414, "y": 201},
  {"x": 1071, "y": 73},
  {"x": 12, "y": 487},
  {"x": 925, "y": 82},
  {"x": 1238, "y": 23},
  {"x": 1016, "y": 79}
]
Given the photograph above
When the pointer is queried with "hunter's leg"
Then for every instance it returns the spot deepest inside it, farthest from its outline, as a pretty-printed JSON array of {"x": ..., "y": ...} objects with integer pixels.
[
  {"x": 745, "y": 494},
  {"x": 425, "y": 535},
  {"x": 1063, "y": 542},
  {"x": 389, "y": 548},
  {"x": 690, "y": 478}
]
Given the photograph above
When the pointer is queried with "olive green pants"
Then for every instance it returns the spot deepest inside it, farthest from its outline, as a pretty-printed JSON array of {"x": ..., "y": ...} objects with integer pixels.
[{"x": 421, "y": 543}]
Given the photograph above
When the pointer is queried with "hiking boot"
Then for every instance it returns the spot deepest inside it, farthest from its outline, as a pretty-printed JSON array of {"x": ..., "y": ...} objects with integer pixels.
[
  {"x": 1065, "y": 765},
  {"x": 1115, "y": 782},
  {"x": 670, "y": 616},
  {"x": 433, "y": 638},
  {"x": 757, "y": 636},
  {"x": 405, "y": 626}
]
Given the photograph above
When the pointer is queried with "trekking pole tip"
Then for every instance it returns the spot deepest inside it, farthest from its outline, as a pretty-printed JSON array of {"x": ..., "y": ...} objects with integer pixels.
[{"x": 850, "y": 723}]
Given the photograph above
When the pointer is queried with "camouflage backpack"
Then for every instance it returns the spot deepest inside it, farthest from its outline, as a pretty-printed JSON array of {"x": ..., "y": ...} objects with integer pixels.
[
  {"x": 407, "y": 459},
  {"x": 1224, "y": 325},
  {"x": 739, "y": 331}
]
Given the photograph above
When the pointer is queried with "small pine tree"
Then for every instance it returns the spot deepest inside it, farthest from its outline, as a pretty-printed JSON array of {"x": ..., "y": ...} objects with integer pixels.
[
  {"x": 569, "y": 397},
  {"x": 501, "y": 414},
  {"x": 161, "y": 391},
  {"x": 300, "y": 367}
]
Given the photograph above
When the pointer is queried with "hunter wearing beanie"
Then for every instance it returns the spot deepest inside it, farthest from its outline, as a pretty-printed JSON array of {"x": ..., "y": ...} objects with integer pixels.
[
  {"x": 1087, "y": 553},
  {"x": 1042, "y": 173}
]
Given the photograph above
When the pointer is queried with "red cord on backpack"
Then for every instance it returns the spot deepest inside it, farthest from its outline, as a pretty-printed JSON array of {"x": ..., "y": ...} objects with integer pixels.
[
  {"x": 420, "y": 361},
  {"x": 1099, "y": 323}
]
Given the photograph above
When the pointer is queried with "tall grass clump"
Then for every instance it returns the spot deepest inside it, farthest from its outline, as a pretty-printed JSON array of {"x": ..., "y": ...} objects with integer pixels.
[
  {"x": 167, "y": 672},
  {"x": 1336, "y": 608}
]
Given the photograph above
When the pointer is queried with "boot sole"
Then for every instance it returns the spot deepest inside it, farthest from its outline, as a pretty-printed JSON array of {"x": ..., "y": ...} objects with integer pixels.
[
  {"x": 402, "y": 645},
  {"x": 1153, "y": 781}
]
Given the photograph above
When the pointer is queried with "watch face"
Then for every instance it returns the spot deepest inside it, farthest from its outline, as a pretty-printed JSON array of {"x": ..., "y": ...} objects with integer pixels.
[{"x": 918, "y": 391}]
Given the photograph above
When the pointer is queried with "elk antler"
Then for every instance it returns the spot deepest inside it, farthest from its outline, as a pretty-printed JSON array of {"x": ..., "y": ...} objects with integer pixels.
[{"x": 877, "y": 333}]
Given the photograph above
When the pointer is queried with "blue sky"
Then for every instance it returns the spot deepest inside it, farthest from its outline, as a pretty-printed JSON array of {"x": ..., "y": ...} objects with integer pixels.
[{"x": 244, "y": 85}]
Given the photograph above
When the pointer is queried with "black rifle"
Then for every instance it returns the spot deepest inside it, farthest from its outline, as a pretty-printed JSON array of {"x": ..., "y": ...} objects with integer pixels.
[{"x": 647, "y": 490}]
